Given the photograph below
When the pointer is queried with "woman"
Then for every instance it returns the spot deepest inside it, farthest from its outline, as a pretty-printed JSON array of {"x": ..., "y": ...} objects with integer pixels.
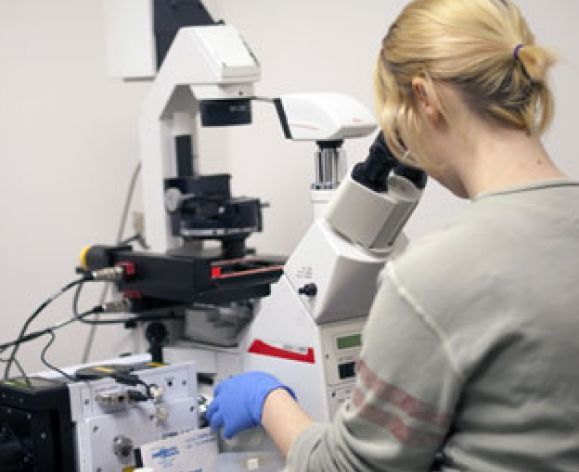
[{"x": 470, "y": 351}]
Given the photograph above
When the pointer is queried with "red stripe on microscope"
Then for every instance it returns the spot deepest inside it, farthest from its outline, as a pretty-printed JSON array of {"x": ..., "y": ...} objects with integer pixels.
[{"x": 264, "y": 349}]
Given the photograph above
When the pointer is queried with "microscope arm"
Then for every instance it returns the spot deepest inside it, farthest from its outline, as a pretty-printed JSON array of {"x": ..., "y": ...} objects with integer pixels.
[{"x": 208, "y": 71}]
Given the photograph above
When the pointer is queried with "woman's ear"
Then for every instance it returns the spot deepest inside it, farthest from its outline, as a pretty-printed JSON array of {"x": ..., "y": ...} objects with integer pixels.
[{"x": 426, "y": 103}]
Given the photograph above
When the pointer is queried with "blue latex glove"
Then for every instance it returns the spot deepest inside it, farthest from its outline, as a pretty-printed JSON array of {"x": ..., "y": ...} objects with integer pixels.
[{"x": 238, "y": 402}]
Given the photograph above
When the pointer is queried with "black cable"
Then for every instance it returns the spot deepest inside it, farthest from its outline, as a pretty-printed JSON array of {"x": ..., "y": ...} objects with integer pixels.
[
  {"x": 82, "y": 318},
  {"x": 134, "y": 319},
  {"x": 32, "y": 317},
  {"x": 132, "y": 380},
  {"x": 19, "y": 367},
  {"x": 48, "y": 364},
  {"x": 75, "y": 299},
  {"x": 36, "y": 334},
  {"x": 148, "y": 389},
  {"x": 124, "y": 216},
  {"x": 112, "y": 321}
]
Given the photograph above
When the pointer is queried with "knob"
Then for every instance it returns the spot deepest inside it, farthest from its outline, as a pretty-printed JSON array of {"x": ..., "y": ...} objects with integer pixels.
[
  {"x": 309, "y": 290},
  {"x": 122, "y": 446},
  {"x": 173, "y": 199}
]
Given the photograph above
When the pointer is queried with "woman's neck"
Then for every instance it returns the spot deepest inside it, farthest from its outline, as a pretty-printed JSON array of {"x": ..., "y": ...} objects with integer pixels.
[{"x": 504, "y": 158}]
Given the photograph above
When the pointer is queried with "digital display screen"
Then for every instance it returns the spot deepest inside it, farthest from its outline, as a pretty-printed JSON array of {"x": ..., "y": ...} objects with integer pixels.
[{"x": 348, "y": 342}]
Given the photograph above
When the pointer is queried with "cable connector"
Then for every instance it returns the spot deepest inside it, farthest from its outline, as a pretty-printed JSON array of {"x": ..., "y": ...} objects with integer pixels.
[
  {"x": 137, "y": 396},
  {"x": 123, "y": 305},
  {"x": 153, "y": 392},
  {"x": 112, "y": 274},
  {"x": 108, "y": 274}
]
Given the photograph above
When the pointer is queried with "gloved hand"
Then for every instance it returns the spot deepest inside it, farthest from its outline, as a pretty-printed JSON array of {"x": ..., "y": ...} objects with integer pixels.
[{"x": 238, "y": 402}]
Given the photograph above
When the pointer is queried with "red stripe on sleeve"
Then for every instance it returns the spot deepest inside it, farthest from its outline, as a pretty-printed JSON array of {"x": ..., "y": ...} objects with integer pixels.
[{"x": 394, "y": 395}]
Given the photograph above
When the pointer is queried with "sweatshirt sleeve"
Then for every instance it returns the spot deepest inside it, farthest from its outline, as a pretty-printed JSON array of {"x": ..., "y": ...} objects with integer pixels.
[{"x": 407, "y": 386}]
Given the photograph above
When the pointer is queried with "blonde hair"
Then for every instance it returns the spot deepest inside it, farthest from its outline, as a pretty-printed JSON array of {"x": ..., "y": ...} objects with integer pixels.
[{"x": 472, "y": 45}]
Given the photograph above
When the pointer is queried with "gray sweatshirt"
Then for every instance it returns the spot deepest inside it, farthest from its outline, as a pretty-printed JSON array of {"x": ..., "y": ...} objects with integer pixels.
[{"x": 471, "y": 350}]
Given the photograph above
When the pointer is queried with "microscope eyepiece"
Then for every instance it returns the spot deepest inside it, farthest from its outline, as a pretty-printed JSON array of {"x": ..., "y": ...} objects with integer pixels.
[
  {"x": 416, "y": 176},
  {"x": 374, "y": 171}
]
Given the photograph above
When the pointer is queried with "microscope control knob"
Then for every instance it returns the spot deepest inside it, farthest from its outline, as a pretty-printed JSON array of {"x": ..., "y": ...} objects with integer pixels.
[
  {"x": 122, "y": 446},
  {"x": 309, "y": 290},
  {"x": 161, "y": 414},
  {"x": 173, "y": 199}
]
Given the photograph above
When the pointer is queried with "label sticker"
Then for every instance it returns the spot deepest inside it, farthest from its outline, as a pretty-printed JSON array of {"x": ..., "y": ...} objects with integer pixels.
[
  {"x": 283, "y": 351},
  {"x": 193, "y": 451}
]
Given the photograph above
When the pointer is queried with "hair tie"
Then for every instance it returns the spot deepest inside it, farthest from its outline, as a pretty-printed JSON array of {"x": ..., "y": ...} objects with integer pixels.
[{"x": 517, "y": 50}]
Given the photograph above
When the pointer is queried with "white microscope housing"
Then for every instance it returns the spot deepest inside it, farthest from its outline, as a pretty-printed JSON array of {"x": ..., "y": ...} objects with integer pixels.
[
  {"x": 323, "y": 117},
  {"x": 210, "y": 71},
  {"x": 309, "y": 331}
]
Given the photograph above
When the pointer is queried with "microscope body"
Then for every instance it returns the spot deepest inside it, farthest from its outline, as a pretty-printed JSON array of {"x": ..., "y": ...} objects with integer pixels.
[
  {"x": 301, "y": 320},
  {"x": 308, "y": 332}
]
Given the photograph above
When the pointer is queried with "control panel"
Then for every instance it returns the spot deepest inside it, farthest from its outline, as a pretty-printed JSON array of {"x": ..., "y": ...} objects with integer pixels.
[{"x": 341, "y": 345}]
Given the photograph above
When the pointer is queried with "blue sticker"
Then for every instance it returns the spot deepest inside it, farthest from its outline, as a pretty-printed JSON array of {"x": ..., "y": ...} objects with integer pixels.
[{"x": 165, "y": 452}]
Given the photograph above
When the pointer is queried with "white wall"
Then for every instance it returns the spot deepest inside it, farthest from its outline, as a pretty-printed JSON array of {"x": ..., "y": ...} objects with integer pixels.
[
  {"x": 67, "y": 149},
  {"x": 68, "y": 133}
]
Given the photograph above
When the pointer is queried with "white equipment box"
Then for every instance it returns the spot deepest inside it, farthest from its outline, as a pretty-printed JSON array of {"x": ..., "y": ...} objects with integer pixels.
[{"x": 109, "y": 425}]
